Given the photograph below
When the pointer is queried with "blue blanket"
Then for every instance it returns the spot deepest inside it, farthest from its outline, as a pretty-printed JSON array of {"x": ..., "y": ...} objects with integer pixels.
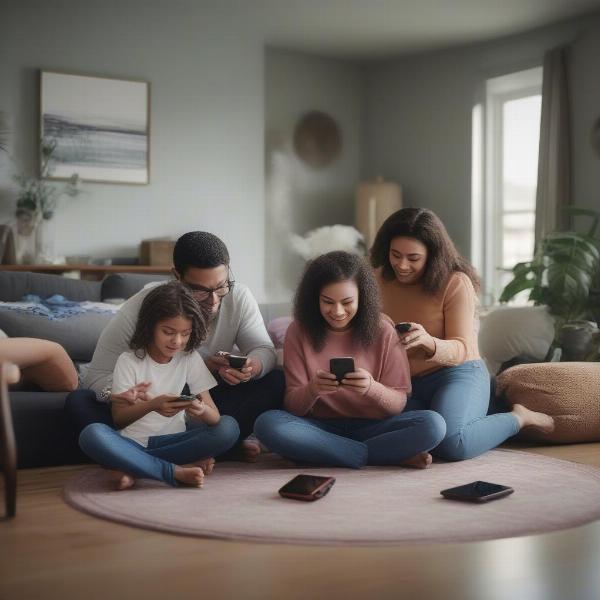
[{"x": 55, "y": 308}]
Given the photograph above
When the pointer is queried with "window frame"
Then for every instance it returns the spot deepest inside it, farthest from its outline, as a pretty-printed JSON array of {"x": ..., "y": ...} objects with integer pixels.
[{"x": 487, "y": 175}]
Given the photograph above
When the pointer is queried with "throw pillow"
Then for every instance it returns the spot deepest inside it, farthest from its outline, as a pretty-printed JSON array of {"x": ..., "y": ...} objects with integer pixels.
[
  {"x": 515, "y": 331},
  {"x": 277, "y": 329},
  {"x": 567, "y": 391}
]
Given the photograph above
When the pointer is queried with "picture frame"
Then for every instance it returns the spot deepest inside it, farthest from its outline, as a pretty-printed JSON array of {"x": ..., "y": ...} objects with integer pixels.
[{"x": 95, "y": 127}]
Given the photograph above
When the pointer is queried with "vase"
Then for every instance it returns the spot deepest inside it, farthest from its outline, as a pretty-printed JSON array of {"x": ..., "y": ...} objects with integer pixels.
[
  {"x": 45, "y": 242},
  {"x": 575, "y": 338},
  {"x": 25, "y": 233}
]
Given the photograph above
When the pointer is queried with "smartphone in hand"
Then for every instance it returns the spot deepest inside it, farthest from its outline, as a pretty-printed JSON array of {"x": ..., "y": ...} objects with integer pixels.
[
  {"x": 186, "y": 398},
  {"x": 237, "y": 362},
  {"x": 403, "y": 327},
  {"x": 340, "y": 366}
]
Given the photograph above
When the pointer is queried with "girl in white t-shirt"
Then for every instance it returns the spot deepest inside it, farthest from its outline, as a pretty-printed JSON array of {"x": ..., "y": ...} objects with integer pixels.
[{"x": 162, "y": 435}]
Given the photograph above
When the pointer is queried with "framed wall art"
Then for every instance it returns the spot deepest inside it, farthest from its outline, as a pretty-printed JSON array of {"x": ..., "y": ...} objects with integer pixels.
[{"x": 95, "y": 127}]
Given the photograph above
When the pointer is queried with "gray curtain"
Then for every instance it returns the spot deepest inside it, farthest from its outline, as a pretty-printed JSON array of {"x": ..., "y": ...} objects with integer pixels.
[{"x": 554, "y": 163}]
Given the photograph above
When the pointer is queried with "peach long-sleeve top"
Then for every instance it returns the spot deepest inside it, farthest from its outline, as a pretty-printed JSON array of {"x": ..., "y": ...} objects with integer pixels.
[
  {"x": 449, "y": 316},
  {"x": 385, "y": 360}
]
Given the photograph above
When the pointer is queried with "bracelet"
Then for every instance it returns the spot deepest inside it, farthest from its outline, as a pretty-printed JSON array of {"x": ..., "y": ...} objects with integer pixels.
[{"x": 105, "y": 393}]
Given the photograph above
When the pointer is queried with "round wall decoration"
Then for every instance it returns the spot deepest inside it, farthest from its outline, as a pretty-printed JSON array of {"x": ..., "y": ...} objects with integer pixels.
[{"x": 317, "y": 139}]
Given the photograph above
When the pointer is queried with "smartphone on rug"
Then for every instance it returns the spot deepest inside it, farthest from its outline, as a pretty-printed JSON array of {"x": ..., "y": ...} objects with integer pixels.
[
  {"x": 307, "y": 487},
  {"x": 477, "y": 491},
  {"x": 340, "y": 366}
]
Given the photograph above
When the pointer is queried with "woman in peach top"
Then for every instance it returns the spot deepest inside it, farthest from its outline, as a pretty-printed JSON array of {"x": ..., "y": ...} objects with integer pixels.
[{"x": 425, "y": 281}]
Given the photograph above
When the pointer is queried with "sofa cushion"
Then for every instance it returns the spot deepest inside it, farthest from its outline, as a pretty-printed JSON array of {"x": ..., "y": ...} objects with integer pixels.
[
  {"x": 124, "y": 285},
  {"x": 277, "y": 328},
  {"x": 45, "y": 436},
  {"x": 15, "y": 285},
  {"x": 77, "y": 334},
  {"x": 566, "y": 391}
]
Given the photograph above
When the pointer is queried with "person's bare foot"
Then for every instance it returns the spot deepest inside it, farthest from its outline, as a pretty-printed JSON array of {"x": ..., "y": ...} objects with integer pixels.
[
  {"x": 419, "y": 461},
  {"x": 530, "y": 418},
  {"x": 189, "y": 475},
  {"x": 251, "y": 450},
  {"x": 122, "y": 480},
  {"x": 207, "y": 465}
]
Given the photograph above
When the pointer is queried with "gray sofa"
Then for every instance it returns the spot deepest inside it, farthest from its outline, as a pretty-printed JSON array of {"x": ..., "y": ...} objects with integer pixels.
[{"x": 43, "y": 432}]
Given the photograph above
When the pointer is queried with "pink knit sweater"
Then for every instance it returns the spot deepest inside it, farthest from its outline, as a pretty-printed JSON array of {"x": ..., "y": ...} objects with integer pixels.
[{"x": 386, "y": 361}]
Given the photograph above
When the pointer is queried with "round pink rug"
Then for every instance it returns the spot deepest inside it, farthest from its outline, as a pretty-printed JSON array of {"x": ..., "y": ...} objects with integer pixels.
[{"x": 373, "y": 506}]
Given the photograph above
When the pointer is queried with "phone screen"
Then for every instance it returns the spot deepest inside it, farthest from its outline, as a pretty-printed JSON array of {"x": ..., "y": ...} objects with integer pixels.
[
  {"x": 476, "y": 489},
  {"x": 340, "y": 366},
  {"x": 303, "y": 485},
  {"x": 237, "y": 362}
]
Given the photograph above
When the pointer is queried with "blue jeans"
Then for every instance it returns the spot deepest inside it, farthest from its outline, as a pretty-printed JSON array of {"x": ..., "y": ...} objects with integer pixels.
[
  {"x": 351, "y": 443},
  {"x": 461, "y": 395},
  {"x": 243, "y": 402},
  {"x": 110, "y": 449}
]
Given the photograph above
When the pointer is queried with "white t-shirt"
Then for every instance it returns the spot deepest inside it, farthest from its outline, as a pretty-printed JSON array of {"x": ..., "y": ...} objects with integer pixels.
[{"x": 168, "y": 378}]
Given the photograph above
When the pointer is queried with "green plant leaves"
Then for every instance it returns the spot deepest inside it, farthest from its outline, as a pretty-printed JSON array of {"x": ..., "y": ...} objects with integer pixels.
[{"x": 564, "y": 273}]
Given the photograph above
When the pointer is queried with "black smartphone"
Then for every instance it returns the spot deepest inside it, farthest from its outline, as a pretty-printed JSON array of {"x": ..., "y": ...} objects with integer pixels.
[
  {"x": 340, "y": 366},
  {"x": 403, "y": 327},
  {"x": 307, "y": 487},
  {"x": 187, "y": 397},
  {"x": 237, "y": 362},
  {"x": 477, "y": 491}
]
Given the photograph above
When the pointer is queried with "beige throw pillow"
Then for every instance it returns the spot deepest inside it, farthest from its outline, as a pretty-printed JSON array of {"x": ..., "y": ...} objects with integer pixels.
[{"x": 568, "y": 391}]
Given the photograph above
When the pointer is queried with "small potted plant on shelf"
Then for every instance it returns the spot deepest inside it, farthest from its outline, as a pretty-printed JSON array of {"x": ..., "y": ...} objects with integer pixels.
[
  {"x": 36, "y": 203},
  {"x": 564, "y": 275}
]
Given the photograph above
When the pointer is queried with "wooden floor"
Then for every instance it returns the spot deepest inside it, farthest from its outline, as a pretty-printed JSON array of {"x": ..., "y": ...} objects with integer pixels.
[{"x": 52, "y": 551}]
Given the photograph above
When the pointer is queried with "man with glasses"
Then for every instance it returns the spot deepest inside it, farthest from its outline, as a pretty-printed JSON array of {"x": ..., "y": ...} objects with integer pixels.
[{"x": 201, "y": 262}]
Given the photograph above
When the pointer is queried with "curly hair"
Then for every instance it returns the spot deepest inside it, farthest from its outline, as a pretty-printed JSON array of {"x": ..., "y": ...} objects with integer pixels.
[
  {"x": 167, "y": 301},
  {"x": 199, "y": 249},
  {"x": 332, "y": 268},
  {"x": 424, "y": 225}
]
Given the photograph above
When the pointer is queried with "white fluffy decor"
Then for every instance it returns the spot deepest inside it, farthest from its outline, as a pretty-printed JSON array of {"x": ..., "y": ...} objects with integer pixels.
[{"x": 326, "y": 239}]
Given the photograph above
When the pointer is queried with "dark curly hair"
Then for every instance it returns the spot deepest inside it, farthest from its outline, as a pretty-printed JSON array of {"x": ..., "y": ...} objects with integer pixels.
[
  {"x": 166, "y": 301},
  {"x": 331, "y": 268},
  {"x": 424, "y": 225},
  {"x": 199, "y": 249}
]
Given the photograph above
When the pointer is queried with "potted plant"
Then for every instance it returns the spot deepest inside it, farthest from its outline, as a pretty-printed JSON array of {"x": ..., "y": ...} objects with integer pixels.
[
  {"x": 564, "y": 275},
  {"x": 36, "y": 203}
]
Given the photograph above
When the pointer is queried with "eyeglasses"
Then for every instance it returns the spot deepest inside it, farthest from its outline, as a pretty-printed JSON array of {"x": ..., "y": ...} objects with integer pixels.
[{"x": 202, "y": 293}]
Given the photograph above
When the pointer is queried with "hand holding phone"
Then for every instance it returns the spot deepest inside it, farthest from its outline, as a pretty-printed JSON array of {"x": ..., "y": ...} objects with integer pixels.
[
  {"x": 196, "y": 409},
  {"x": 477, "y": 491},
  {"x": 307, "y": 487},
  {"x": 169, "y": 405},
  {"x": 359, "y": 381},
  {"x": 339, "y": 366}
]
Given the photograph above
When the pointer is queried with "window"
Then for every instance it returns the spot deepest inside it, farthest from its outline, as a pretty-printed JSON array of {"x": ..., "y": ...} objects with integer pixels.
[{"x": 506, "y": 130}]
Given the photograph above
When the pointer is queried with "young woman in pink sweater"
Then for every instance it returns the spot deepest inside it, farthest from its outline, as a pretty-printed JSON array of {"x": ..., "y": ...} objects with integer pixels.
[
  {"x": 425, "y": 281},
  {"x": 360, "y": 420}
]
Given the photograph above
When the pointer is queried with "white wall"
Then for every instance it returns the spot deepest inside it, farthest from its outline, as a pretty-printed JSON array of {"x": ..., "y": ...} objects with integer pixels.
[
  {"x": 418, "y": 119},
  {"x": 298, "y": 197},
  {"x": 207, "y": 120}
]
